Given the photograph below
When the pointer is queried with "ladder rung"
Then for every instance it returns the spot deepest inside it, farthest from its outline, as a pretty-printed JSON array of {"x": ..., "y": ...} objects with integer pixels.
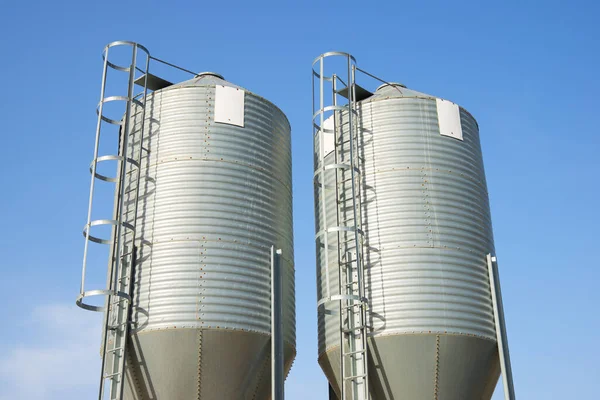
[
  {"x": 130, "y": 191},
  {"x": 347, "y": 180},
  {"x": 115, "y": 327},
  {"x": 348, "y": 378},
  {"x": 110, "y": 376},
  {"x": 350, "y": 330},
  {"x": 115, "y": 349},
  {"x": 132, "y": 170},
  {"x": 358, "y": 304},
  {"x": 119, "y": 300},
  {"x": 354, "y": 352},
  {"x": 351, "y": 238}
]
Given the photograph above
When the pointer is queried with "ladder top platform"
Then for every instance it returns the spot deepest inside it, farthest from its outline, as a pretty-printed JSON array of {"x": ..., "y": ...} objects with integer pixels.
[
  {"x": 154, "y": 82},
  {"x": 361, "y": 93}
]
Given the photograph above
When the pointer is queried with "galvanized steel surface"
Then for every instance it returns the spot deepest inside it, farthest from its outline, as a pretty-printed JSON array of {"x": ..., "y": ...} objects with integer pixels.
[
  {"x": 427, "y": 229},
  {"x": 425, "y": 367},
  {"x": 426, "y": 220},
  {"x": 216, "y": 197}
]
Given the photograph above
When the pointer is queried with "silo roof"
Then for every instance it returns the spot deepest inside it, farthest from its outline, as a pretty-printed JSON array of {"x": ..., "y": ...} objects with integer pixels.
[
  {"x": 207, "y": 79},
  {"x": 394, "y": 89}
]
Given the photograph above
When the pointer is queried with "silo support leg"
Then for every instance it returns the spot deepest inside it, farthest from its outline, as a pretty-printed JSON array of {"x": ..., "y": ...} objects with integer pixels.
[
  {"x": 277, "y": 366},
  {"x": 501, "y": 337}
]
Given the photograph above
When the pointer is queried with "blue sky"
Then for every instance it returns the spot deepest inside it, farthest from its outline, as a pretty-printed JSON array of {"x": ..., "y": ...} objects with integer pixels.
[{"x": 527, "y": 70}]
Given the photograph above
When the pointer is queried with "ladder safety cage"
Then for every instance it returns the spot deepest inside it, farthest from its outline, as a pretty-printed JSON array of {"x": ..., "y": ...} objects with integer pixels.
[
  {"x": 338, "y": 176},
  {"x": 122, "y": 243}
]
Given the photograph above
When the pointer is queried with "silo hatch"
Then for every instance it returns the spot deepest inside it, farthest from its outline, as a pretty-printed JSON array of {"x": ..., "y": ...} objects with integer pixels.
[{"x": 154, "y": 82}]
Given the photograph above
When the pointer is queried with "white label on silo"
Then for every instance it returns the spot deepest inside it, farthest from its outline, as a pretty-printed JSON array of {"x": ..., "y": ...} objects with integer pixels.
[
  {"x": 328, "y": 135},
  {"x": 449, "y": 119},
  {"x": 229, "y": 105}
]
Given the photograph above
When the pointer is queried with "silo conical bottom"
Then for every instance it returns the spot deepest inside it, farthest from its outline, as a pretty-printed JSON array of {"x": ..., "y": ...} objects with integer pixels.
[
  {"x": 200, "y": 364},
  {"x": 425, "y": 367}
]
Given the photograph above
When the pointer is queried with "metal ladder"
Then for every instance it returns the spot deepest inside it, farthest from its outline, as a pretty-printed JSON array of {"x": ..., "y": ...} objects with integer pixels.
[
  {"x": 349, "y": 236},
  {"x": 122, "y": 250}
]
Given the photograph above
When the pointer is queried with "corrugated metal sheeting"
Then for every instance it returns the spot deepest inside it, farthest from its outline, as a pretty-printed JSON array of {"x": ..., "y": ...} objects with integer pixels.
[
  {"x": 215, "y": 197},
  {"x": 426, "y": 218}
]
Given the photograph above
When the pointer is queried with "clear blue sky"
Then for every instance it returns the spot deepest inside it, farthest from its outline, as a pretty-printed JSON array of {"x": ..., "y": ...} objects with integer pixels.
[{"x": 527, "y": 70}]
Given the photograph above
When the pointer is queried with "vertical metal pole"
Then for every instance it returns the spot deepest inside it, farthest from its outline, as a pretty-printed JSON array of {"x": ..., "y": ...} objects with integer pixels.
[
  {"x": 120, "y": 363},
  {"x": 357, "y": 204},
  {"x": 126, "y": 129},
  {"x": 501, "y": 337},
  {"x": 123, "y": 173},
  {"x": 360, "y": 271},
  {"x": 341, "y": 286},
  {"x": 141, "y": 146},
  {"x": 351, "y": 128},
  {"x": 352, "y": 172},
  {"x": 277, "y": 357},
  {"x": 322, "y": 173}
]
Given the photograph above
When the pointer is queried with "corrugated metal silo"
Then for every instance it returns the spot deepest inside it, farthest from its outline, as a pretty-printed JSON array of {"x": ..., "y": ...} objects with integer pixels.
[
  {"x": 217, "y": 195},
  {"x": 201, "y": 272},
  {"x": 425, "y": 217}
]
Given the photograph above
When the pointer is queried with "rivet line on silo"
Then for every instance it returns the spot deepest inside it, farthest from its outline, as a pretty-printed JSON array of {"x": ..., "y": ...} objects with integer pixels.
[
  {"x": 199, "y": 362},
  {"x": 203, "y": 273},
  {"x": 209, "y": 111},
  {"x": 437, "y": 368},
  {"x": 260, "y": 378},
  {"x": 424, "y": 190},
  {"x": 134, "y": 375}
]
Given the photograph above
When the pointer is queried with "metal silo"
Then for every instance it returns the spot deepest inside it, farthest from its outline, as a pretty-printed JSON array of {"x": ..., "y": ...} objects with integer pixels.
[
  {"x": 203, "y": 198},
  {"x": 405, "y": 252}
]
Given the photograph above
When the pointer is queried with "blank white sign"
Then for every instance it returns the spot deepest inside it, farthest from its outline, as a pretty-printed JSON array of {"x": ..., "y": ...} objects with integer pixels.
[
  {"x": 229, "y": 105},
  {"x": 449, "y": 119},
  {"x": 328, "y": 142}
]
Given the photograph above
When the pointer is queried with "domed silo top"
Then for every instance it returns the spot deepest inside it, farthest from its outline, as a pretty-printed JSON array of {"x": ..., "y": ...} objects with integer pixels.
[
  {"x": 395, "y": 89},
  {"x": 393, "y": 84},
  {"x": 207, "y": 79},
  {"x": 391, "y": 90},
  {"x": 209, "y": 73},
  {"x": 215, "y": 79}
]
